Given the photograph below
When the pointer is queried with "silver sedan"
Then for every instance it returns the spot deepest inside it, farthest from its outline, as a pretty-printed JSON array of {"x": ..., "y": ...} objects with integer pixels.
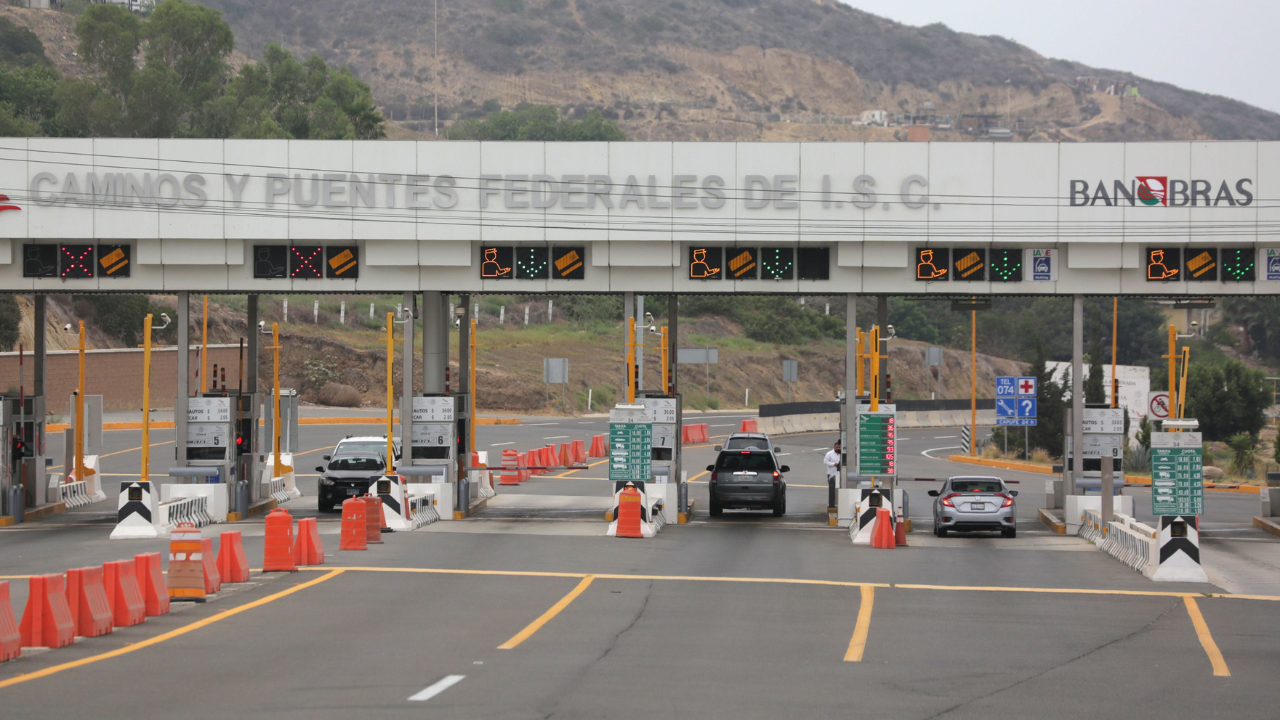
[{"x": 967, "y": 504}]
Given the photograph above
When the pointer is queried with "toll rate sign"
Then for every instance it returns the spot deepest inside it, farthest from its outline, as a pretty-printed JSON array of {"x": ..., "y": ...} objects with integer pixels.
[
  {"x": 877, "y": 441},
  {"x": 1177, "y": 473}
]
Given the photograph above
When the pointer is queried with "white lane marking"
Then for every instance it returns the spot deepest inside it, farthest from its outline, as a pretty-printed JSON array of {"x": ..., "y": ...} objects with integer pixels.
[
  {"x": 729, "y": 425},
  {"x": 556, "y": 437},
  {"x": 587, "y": 422},
  {"x": 926, "y": 452},
  {"x": 946, "y": 437},
  {"x": 540, "y": 424},
  {"x": 783, "y": 454},
  {"x": 500, "y": 444},
  {"x": 435, "y": 689}
]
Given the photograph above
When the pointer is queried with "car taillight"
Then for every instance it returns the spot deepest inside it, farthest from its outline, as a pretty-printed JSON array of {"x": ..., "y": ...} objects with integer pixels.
[
  {"x": 777, "y": 476},
  {"x": 1008, "y": 501},
  {"x": 946, "y": 500}
]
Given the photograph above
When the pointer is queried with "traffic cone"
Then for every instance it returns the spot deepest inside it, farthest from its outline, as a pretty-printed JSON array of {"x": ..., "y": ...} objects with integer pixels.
[
  {"x": 599, "y": 448},
  {"x": 373, "y": 520},
  {"x": 510, "y": 468},
  {"x": 565, "y": 459},
  {"x": 47, "y": 621},
  {"x": 900, "y": 533},
  {"x": 233, "y": 566},
  {"x": 307, "y": 549},
  {"x": 209, "y": 563},
  {"x": 10, "y": 636},
  {"x": 87, "y": 600},
  {"x": 579, "y": 453},
  {"x": 185, "y": 580},
  {"x": 123, "y": 593},
  {"x": 278, "y": 546},
  {"x": 354, "y": 535},
  {"x": 151, "y": 581},
  {"x": 629, "y": 513}
]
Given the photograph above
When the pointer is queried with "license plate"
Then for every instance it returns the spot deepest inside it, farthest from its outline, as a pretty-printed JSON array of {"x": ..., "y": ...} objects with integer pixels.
[
  {"x": 978, "y": 507},
  {"x": 353, "y": 491}
]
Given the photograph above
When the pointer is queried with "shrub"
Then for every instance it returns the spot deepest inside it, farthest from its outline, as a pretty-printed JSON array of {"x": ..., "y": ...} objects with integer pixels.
[
  {"x": 10, "y": 319},
  {"x": 338, "y": 395}
]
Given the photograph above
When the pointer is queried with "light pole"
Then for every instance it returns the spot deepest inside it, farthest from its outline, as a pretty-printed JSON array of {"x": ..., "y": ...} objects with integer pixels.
[
  {"x": 278, "y": 468},
  {"x": 79, "y": 409},
  {"x": 147, "y": 329}
]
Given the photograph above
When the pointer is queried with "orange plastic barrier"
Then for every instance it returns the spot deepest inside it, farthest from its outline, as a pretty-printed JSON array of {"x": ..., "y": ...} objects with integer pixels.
[
  {"x": 308, "y": 550},
  {"x": 87, "y": 601},
  {"x": 599, "y": 448},
  {"x": 209, "y": 562},
  {"x": 185, "y": 580},
  {"x": 883, "y": 535},
  {"x": 535, "y": 463},
  {"x": 373, "y": 520},
  {"x": 565, "y": 458},
  {"x": 579, "y": 453},
  {"x": 510, "y": 468},
  {"x": 750, "y": 426},
  {"x": 47, "y": 621},
  {"x": 233, "y": 564},
  {"x": 123, "y": 593},
  {"x": 629, "y": 513},
  {"x": 686, "y": 434},
  {"x": 354, "y": 535},
  {"x": 278, "y": 547},
  {"x": 10, "y": 636},
  {"x": 704, "y": 433},
  {"x": 151, "y": 581}
]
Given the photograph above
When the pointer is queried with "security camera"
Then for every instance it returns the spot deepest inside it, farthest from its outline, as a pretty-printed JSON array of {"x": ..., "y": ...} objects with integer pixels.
[
  {"x": 262, "y": 324},
  {"x": 1195, "y": 324},
  {"x": 66, "y": 328},
  {"x": 892, "y": 333},
  {"x": 165, "y": 316}
]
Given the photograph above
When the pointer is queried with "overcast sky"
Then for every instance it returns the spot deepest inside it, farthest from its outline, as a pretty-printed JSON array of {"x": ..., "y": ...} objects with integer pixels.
[{"x": 1225, "y": 47}]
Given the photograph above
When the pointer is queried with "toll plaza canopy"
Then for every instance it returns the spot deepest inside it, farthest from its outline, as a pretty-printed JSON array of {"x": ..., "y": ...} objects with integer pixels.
[{"x": 278, "y": 216}]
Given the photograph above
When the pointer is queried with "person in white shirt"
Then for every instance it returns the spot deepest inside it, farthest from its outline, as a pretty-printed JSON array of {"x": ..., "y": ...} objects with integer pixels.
[{"x": 832, "y": 461}]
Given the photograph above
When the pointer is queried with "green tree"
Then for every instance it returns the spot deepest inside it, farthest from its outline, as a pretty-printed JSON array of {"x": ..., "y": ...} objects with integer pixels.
[
  {"x": 19, "y": 46},
  {"x": 119, "y": 316},
  {"x": 1052, "y": 404},
  {"x": 10, "y": 320},
  {"x": 1094, "y": 385},
  {"x": 155, "y": 102},
  {"x": 1227, "y": 399},
  {"x": 194, "y": 42},
  {"x": 84, "y": 110},
  {"x": 110, "y": 37},
  {"x": 534, "y": 123}
]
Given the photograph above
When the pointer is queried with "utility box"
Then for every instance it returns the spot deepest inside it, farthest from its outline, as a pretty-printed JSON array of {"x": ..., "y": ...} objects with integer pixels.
[
  {"x": 665, "y": 413},
  {"x": 288, "y": 421},
  {"x": 438, "y": 438}
]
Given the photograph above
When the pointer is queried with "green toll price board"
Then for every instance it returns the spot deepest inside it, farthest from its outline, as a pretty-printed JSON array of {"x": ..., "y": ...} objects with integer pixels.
[
  {"x": 630, "y": 444},
  {"x": 1177, "y": 473},
  {"x": 877, "y": 441}
]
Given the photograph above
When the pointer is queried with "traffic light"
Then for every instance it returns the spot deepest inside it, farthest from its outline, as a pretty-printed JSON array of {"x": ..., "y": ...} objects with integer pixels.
[
  {"x": 1164, "y": 264},
  {"x": 270, "y": 261},
  {"x": 114, "y": 260},
  {"x": 706, "y": 263},
  {"x": 1239, "y": 265},
  {"x": 1202, "y": 264},
  {"x": 1006, "y": 265},
  {"x": 933, "y": 264},
  {"x": 497, "y": 263}
]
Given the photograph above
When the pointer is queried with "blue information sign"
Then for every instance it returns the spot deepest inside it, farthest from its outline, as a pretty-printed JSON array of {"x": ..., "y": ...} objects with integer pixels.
[{"x": 1016, "y": 402}]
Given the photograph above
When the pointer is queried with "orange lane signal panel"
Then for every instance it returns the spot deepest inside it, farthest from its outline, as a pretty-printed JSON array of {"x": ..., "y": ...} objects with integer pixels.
[
  {"x": 705, "y": 263},
  {"x": 1163, "y": 264},
  {"x": 1202, "y": 264},
  {"x": 970, "y": 264},
  {"x": 343, "y": 262},
  {"x": 932, "y": 263},
  {"x": 742, "y": 264},
  {"x": 568, "y": 263},
  {"x": 114, "y": 260}
]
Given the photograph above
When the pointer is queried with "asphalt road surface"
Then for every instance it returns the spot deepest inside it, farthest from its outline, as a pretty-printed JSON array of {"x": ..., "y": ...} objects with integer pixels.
[{"x": 528, "y": 611}]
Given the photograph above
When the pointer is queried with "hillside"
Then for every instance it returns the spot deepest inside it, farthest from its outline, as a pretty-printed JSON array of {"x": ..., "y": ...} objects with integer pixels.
[{"x": 728, "y": 70}]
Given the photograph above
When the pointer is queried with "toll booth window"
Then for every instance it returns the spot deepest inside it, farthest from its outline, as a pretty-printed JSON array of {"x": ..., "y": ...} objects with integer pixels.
[
  {"x": 1164, "y": 264},
  {"x": 39, "y": 261},
  {"x": 814, "y": 263},
  {"x": 777, "y": 263},
  {"x": 568, "y": 263},
  {"x": 1202, "y": 264},
  {"x": 531, "y": 263},
  {"x": 1006, "y": 265},
  {"x": 706, "y": 263},
  {"x": 497, "y": 263},
  {"x": 76, "y": 261},
  {"x": 969, "y": 265},
  {"x": 933, "y": 264},
  {"x": 270, "y": 261},
  {"x": 743, "y": 264},
  {"x": 1239, "y": 265},
  {"x": 342, "y": 262},
  {"x": 305, "y": 262},
  {"x": 114, "y": 260}
]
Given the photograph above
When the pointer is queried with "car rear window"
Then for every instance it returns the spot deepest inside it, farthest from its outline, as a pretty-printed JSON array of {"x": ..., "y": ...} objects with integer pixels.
[
  {"x": 370, "y": 447},
  {"x": 747, "y": 444},
  {"x": 976, "y": 486},
  {"x": 356, "y": 463},
  {"x": 740, "y": 461}
]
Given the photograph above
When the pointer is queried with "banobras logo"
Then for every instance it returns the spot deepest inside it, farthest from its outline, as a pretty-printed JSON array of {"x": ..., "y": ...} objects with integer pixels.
[
  {"x": 1160, "y": 191},
  {"x": 5, "y": 204}
]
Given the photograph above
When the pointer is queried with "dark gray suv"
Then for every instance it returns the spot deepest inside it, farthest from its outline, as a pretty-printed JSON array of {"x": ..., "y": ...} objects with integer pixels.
[{"x": 748, "y": 479}]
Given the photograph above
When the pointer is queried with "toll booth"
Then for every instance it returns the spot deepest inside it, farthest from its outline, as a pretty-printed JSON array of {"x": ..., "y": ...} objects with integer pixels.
[
  {"x": 436, "y": 454},
  {"x": 92, "y": 439},
  {"x": 666, "y": 414},
  {"x": 287, "y": 487},
  {"x": 868, "y": 447},
  {"x": 212, "y": 461},
  {"x": 25, "y": 467}
]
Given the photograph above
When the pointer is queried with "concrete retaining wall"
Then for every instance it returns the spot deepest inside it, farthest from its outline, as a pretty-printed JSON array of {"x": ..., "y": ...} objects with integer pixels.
[{"x": 830, "y": 422}]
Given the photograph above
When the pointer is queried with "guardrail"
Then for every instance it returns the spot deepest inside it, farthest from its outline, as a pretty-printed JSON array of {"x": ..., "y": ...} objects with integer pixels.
[
  {"x": 75, "y": 494},
  {"x": 422, "y": 510},
  {"x": 1124, "y": 538},
  {"x": 278, "y": 490},
  {"x": 193, "y": 509}
]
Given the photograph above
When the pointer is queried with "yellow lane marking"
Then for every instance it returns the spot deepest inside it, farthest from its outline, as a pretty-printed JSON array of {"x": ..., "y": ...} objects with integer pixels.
[
  {"x": 701, "y": 474},
  {"x": 858, "y": 642},
  {"x": 169, "y": 635},
  {"x": 1206, "y": 639},
  {"x": 546, "y": 617},
  {"x": 588, "y": 467},
  {"x": 121, "y": 452}
]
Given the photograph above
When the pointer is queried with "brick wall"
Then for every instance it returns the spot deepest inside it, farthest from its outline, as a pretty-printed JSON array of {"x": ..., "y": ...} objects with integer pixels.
[{"x": 116, "y": 375}]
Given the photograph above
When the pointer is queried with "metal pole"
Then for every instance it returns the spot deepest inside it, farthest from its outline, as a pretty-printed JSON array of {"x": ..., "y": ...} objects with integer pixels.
[
  {"x": 628, "y": 340},
  {"x": 182, "y": 402},
  {"x": 875, "y": 368},
  {"x": 253, "y": 338},
  {"x": 1173, "y": 371},
  {"x": 391, "y": 398},
  {"x": 80, "y": 428},
  {"x": 1115, "y": 328},
  {"x": 882, "y": 319},
  {"x": 277, "y": 466},
  {"x": 1077, "y": 392},
  {"x": 973, "y": 382},
  {"x": 673, "y": 341},
  {"x": 145, "y": 471},
  {"x": 471, "y": 383},
  {"x": 406, "y": 375},
  {"x": 640, "y": 345}
]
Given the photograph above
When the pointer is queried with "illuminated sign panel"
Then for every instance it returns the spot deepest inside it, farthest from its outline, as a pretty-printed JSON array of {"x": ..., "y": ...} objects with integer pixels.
[
  {"x": 568, "y": 263},
  {"x": 933, "y": 264},
  {"x": 306, "y": 262},
  {"x": 1202, "y": 264},
  {"x": 76, "y": 261},
  {"x": 342, "y": 262},
  {"x": 1006, "y": 265},
  {"x": 706, "y": 263},
  {"x": 877, "y": 442},
  {"x": 777, "y": 263},
  {"x": 814, "y": 263},
  {"x": 497, "y": 263},
  {"x": 270, "y": 261},
  {"x": 1164, "y": 264},
  {"x": 742, "y": 263},
  {"x": 39, "y": 261},
  {"x": 969, "y": 264},
  {"x": 1239, "y": 264},
  {"x": 114, "y": 260},
  {"x": 531, "y": 263}
]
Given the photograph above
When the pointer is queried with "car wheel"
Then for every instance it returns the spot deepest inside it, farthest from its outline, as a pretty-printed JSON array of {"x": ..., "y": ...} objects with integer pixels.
[
  {"x": 1010, "y": 532},
  {"x": 780, "y": 505},
  {"x": 942, "y": 532},
  {"x": 713, "y": 506}
]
